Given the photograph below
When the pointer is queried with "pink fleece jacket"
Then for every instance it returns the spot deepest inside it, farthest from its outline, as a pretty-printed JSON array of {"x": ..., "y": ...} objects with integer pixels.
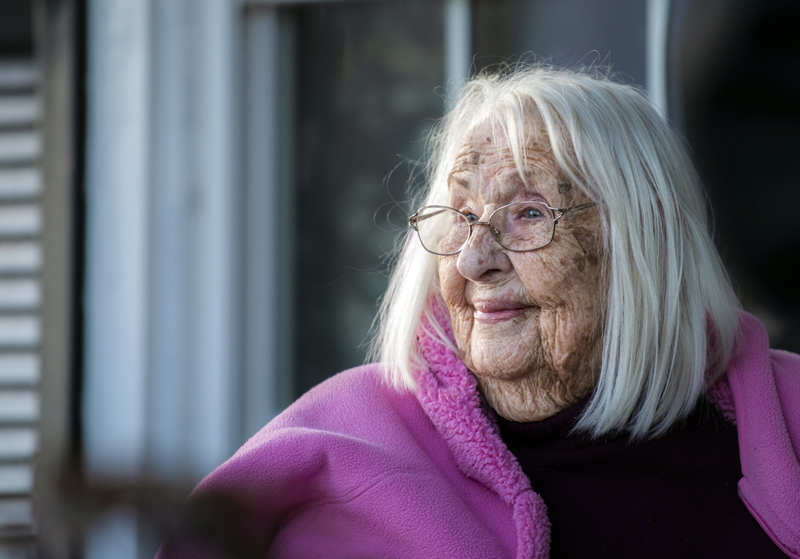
[{"x": 355, "y": 469}]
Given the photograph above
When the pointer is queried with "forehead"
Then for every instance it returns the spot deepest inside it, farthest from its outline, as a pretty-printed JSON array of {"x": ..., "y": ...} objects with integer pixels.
[{"x": 487, "y": 163}]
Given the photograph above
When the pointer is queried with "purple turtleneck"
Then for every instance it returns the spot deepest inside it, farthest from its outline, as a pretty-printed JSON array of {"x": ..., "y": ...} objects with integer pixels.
[{"x": 674, "y": 496}]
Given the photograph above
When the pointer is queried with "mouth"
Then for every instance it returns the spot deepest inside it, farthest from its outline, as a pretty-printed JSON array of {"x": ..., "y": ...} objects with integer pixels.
[{"x": 491, "y": 312}]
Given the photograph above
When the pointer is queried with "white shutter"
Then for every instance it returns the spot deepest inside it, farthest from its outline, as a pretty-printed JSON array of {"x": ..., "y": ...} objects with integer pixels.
[{"x": 20, "y": 303}]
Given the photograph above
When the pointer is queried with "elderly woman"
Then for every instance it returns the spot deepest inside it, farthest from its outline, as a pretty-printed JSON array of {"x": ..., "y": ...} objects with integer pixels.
[{"x": 564, "y": 368}]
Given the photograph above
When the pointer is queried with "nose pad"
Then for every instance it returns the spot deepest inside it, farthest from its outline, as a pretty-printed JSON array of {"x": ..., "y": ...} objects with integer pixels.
[
  {"x": 478, "y": 238},
  {"x": 494, "y": 231}
]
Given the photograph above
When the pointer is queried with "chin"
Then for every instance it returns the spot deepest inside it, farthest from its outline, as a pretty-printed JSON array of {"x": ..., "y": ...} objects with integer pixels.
[
  {"x": 503, "y": 349},
  {"x": 496, "y": 359}
]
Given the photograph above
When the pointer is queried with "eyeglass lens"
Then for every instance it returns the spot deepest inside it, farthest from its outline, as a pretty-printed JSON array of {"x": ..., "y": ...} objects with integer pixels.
[{"x": 521, "y": 226}]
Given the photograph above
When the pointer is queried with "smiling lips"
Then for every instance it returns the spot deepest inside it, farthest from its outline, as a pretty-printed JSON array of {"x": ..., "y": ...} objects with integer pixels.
[{"x": 497, "y": 311}]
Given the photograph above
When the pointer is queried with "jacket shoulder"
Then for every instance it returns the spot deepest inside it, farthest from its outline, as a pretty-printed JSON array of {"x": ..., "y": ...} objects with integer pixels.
[
  {"x": 348, "y": 426},
  {"x": 355, "y": 401},
  {"x": 765, "y": 387},
  {"x": 346, "y": 435},
  {"x": 786, "y": 372}
]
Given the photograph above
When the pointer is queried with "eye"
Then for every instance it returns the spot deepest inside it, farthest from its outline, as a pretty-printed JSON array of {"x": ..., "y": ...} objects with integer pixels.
[
  {"x": 471, "y": 217},
  {"x": 531, "y": 212}
]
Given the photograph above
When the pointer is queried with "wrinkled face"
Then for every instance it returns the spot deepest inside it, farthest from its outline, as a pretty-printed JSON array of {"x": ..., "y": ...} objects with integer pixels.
[{"x": 517, "y": 314}]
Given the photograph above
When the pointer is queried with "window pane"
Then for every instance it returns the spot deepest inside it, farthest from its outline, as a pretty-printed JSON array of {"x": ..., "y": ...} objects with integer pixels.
[
  {"x": 566, "y": 32},
  {"x": 366, "y": 92}
]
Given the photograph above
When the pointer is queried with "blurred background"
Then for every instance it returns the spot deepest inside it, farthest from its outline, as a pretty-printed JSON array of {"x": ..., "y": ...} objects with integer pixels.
[{"x": 199, "y": 199}]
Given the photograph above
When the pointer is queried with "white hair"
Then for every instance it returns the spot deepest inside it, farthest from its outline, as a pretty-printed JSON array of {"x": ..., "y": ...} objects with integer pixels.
[{"x": 671, "y": 314}]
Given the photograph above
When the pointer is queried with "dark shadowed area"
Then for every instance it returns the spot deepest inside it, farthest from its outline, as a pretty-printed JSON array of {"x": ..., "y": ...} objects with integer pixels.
[
  {"x": 735, "y": 92},
  {"x": 367, "y": 79}
]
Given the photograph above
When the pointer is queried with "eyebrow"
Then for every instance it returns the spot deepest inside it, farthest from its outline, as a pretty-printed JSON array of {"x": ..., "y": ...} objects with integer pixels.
[{"x": 453, "y": 179}]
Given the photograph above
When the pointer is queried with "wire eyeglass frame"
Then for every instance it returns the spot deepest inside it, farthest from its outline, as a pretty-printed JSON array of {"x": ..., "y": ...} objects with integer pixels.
[{"x": 558, "y": 213}]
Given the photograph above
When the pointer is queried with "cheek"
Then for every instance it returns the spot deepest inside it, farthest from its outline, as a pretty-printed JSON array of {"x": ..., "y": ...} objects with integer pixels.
[
  {"x": 451, "y": 281},
  {"x": 453, "y": 286},
  {"x": 545, "y": 279},
  {"x": 559, "y": 279}
]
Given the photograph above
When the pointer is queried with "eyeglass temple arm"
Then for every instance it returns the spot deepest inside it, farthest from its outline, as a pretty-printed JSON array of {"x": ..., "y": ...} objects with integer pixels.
[
  {"x": 572, "y": 209},
  {"x": 416, "y": 218}
]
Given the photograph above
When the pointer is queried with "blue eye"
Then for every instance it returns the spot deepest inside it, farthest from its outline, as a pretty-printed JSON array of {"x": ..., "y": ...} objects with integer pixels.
[
  {"x": 471, "y": 217},
  {"x": 531, "y": 213}
]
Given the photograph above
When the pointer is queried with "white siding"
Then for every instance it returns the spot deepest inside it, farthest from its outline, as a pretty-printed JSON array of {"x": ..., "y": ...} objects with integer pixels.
[{"x": 20, "y": 301}]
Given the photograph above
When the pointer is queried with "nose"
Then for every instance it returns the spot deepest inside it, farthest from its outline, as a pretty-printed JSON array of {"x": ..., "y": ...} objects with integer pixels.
[{"x": 483, "y": 259}]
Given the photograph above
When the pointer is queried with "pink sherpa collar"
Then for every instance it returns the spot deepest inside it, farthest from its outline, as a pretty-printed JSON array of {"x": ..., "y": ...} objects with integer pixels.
[{"x": 448, "y": 393}]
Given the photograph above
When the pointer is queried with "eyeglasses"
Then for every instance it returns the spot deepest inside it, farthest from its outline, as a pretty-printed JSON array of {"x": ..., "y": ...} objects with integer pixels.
[{"x": 518, "y": 227}]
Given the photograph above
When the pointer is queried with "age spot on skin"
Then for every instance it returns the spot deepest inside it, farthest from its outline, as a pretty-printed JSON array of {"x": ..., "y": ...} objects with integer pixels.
[
  {"x": 564, "y": 187},
  {"x": 474, "y": 158},
  {"x": 589, "y": 242}
]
